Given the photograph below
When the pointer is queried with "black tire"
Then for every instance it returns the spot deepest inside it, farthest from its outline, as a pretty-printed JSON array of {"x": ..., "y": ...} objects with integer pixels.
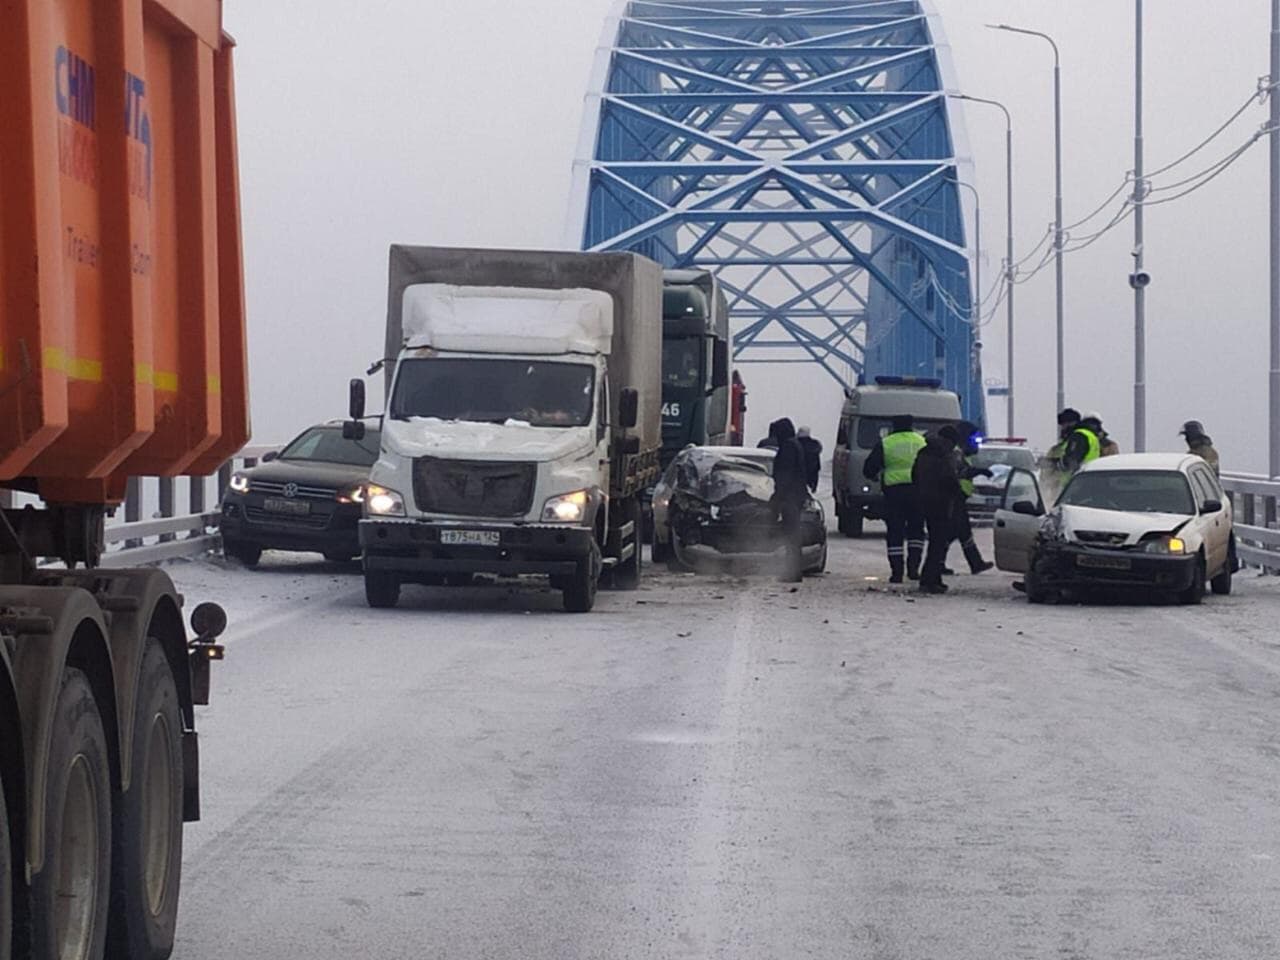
[
  {"x": 1033, "y": 584},
  {"x": 246, "y": 554},
  {"x": 1221, "y": 584},
  {"x": 661, "y": 549},
  {"x": 381, "y": 589},
  {"x": 339, "y": 556},
  {"x": 6, "y": 885},
  {"x": 147, "y": 855},
  {"x": 1194, "y": 594},
  {"x": 851, "y": 523},
  {"x": 71, "y": 895},
  {"x": 580, "y": 591},
  {"x": 821, "y": 565},
  {"x": 626, "y": 575}
]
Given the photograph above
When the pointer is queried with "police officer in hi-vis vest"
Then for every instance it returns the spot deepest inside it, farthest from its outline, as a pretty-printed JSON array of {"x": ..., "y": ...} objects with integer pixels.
[{"x": 891, "y": 463}]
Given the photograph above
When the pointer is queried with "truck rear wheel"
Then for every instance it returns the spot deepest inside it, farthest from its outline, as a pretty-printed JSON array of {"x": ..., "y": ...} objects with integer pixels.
[
  {"x": 851, "y": 522},
  {"x": 381, "y": 589},
  {"x": 147, "y": 856},
  {"x": 248, "y": 554},
  {"x": 580, "y": 590},
  {"x": 70, "y": 896},
  {"x": 6, "y": 887}
]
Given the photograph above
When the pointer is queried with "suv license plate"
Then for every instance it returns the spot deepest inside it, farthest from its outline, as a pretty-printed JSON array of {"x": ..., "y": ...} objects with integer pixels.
[
  {"x": 293, "y": 508},
  {"x": 470, "y": 538},
  {"x": 1105, "y": 563}
]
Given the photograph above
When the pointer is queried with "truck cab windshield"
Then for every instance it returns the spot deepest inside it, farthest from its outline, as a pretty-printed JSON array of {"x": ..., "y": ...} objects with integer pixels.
[
  {"x": 682, "y": 362},
  {"x": 537, "y": 392}
]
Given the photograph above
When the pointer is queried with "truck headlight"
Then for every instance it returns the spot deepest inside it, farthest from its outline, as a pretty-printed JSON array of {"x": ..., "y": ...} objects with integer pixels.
[
  {"x": 1165, "y": 545},
  {"x": 569, "y": 508},
  {"x": 381, "y": 502},
  {"x": 239, "y": 483},
  {"x": 351, "y": 494}
]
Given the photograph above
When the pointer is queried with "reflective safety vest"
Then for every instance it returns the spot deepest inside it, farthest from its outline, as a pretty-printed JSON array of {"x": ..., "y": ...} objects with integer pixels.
[
  {"x": 900, "y": 452},
  {"x": 966, "y": 485},
  {"x": 1095, "y": 445}
]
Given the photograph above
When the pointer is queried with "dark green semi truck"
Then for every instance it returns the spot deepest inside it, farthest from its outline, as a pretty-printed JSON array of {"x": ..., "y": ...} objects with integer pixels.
[{"x": 695, "y": 362}]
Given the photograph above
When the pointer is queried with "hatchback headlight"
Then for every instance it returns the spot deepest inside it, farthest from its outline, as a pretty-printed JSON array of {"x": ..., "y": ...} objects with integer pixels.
[
  {"x": 569, "y": 508},
  {"x": 239, "y": 483},
  {"x": 381, "y": 502},
  {"x": 1165, "y": 545}
]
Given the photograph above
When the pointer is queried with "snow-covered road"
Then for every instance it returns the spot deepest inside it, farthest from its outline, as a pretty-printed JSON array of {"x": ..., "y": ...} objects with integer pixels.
[{"x": 720, "y": 767}]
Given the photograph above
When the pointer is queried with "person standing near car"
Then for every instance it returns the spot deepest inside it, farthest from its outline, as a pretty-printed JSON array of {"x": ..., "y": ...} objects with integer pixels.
[
  {"x": 790, "y": 493},
  {"x": 965, "y": 472},
  {"x": 938, "y": 488},
  {"x": 1084, "y": 445},
  {"x": 812, "y": 457},
  {"x": 1200, "y": 444},
  {"x": 890, "y": 463}
]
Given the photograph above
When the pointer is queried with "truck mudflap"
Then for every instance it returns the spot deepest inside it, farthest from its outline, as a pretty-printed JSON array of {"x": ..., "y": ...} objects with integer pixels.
[{"x": 411, "y": 547}]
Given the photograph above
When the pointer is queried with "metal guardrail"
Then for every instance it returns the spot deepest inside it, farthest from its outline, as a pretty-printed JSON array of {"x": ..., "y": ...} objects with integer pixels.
[
  {"x": 169, "y": 534},
  {"x": 1257, "y": 530}
]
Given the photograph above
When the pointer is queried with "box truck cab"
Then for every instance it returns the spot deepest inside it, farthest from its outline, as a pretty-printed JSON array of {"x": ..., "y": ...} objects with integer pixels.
[
  {"x": 521, "y": 424},
  {"x": 866, "y": 418}
]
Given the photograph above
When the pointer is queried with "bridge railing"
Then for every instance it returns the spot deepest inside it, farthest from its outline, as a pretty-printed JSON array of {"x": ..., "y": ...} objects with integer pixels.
[
  {"x": 1255, "y": 499},
  {"x": 168, "y": 517}
]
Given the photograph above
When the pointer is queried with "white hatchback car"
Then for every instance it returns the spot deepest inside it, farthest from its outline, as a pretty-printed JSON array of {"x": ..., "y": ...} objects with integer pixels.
[{"x": 1147, "y": 522}]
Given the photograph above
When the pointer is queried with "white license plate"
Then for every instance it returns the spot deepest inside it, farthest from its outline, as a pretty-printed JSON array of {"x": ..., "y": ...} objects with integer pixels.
[
  {"x": 293, "y": 508},
  {"x": 470, "y": 538}
]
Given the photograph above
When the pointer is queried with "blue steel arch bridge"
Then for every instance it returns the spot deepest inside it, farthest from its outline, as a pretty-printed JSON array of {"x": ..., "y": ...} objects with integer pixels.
[{"x": 804, "y": 151}]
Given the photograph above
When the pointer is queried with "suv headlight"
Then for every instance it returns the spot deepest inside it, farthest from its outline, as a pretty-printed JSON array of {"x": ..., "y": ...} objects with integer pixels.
[
  {"x": 1165, "y": 545},
  {"x": 381, "y": 502},
  {"x": 353, "y": 493},
  {"x": 239, "y": 483},
  {"x": 569, "y": 508}
]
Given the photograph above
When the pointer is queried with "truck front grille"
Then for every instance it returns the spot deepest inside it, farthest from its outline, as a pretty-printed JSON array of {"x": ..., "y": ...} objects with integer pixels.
[{"x": 473, "y": 489}]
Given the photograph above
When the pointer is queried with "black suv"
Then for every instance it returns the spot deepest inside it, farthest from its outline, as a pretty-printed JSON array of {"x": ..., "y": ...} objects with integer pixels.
[{"x": 306, "y": 498}]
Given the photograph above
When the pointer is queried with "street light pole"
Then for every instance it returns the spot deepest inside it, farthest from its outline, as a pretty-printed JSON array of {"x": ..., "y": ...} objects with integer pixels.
[
  {"x": 1275, "y": 238},
  {"x": 1139, "y": 254},
  {"x": 975, "y": 309},
  {"x": 1057, "y": 199},
  {"x": 1008, "y": 262}
]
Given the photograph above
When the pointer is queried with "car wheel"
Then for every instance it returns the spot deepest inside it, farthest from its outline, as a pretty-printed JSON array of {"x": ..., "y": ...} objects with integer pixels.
[
  {"x": 1194, "y": 594},
  {"x": 1221, "y": 584},
  {"x": 821, "y": 565},
  {"x": 246, "y": 554},
  {"x": 339, "y": 556},
  {"x": 381, "y": 589},
  {"x": 661, "y": 548},
  {"x": 1033, "y": 583}
]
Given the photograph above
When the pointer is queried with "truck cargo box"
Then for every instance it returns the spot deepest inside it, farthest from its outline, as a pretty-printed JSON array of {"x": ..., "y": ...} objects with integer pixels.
[
  {"x": 634, "y": 282},
  {"x": 122, "y": 345}
]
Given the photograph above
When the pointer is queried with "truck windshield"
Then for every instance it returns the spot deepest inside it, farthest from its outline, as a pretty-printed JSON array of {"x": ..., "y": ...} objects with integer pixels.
[
  {"x": 537, "y": 392},
  {"x": 682, "y": 362}
]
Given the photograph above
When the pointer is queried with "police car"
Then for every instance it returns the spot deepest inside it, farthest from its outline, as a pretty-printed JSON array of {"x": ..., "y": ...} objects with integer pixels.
[{"x": 1000, "y": 456}]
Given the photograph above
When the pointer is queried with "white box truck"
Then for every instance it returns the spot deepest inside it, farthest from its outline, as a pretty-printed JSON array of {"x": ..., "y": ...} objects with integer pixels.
[{"x": 522, "y": 423}]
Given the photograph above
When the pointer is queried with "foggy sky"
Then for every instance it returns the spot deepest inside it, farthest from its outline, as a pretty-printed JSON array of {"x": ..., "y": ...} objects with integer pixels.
[{"x": 455, "y": 122}]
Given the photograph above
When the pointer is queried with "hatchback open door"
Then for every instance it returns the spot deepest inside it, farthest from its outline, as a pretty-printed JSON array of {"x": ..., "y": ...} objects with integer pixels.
[{"x": 1018, "y": 521}]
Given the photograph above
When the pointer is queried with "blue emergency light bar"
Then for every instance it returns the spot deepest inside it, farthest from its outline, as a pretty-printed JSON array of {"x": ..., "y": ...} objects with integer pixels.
[{"x": 931, "y": 383}]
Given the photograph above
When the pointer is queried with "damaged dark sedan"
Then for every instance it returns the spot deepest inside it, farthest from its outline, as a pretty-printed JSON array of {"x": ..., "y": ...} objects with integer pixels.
[{"x": 713, "y": 503}]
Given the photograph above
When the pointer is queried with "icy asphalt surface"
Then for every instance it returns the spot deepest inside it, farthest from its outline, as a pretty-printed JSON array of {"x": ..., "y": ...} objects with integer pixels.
[{"x": 720, "y": 768}]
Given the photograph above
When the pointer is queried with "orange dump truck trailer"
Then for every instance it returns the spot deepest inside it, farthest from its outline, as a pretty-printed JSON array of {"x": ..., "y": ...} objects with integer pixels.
[{"x": 122, "y": 353}]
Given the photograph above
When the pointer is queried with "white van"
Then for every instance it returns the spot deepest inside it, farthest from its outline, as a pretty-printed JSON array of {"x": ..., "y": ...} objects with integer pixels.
[{"x": 866, "y": 418}]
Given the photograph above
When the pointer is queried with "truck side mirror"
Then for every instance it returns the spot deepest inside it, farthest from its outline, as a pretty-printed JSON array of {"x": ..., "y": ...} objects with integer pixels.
[
  {"x": 353, "y": 430},
  {"x": 719, "y": 365},
  {"x": 629, "y": 409},
  {"x": 356, "y": 404}
]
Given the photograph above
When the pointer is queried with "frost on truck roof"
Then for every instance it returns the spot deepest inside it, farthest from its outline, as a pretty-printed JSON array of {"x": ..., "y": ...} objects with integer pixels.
[{"x": 514, "y": 320}]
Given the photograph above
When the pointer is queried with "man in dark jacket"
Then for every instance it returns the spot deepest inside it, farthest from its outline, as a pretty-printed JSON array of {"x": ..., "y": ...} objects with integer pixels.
[
  {"x": 790, "y": 493},
  {"x": 938, "y": 491},
  {"x": 967, "y": 473},
  {"x": 1199, "y": 443},
  {"x": 812, "y": 457}
]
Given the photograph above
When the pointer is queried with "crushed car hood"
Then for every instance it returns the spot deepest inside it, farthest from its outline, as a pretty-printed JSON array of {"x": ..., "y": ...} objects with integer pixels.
[{"x": 1133, "y": 525}]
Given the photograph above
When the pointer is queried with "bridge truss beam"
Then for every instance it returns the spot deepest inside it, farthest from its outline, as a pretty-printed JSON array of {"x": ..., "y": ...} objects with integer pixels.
[{"x": 805, "y": 151}]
